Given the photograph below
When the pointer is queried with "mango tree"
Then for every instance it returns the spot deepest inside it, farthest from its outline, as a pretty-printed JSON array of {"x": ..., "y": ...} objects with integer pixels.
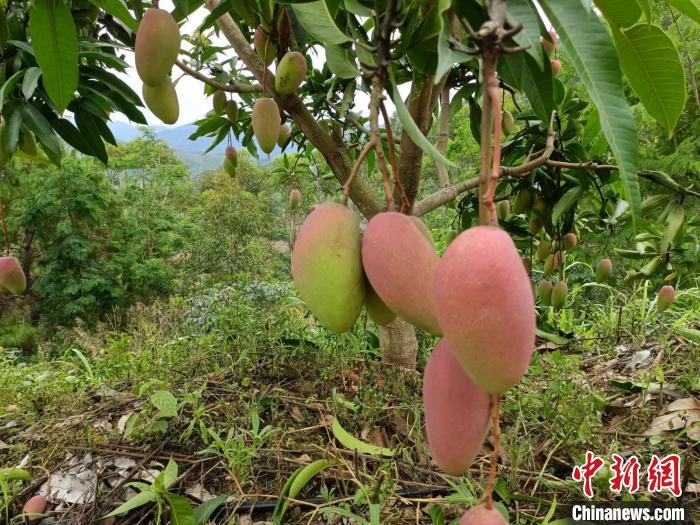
[{"x": 565, "y": 144}]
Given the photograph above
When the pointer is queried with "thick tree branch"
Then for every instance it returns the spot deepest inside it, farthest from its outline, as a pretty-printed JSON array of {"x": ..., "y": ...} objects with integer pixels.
[
  {"x": 233, "y": 87},
  {"x": 410, "y": 160},
  {"x": 333, "y": 150}
]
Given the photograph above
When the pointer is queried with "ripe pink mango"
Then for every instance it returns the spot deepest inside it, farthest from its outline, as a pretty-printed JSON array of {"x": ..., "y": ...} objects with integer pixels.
[
  {"x": 35, "y": 505},
  {"x": 12, "y": 279},
  {"x": 456, "y": 412},
  {"x": 376, "y": 309},
  {"x": 482, "y": 516},
  {"x": 400, "y": 264},
  {"x": 667, "y": 295},
  {"x": 327, "y": 267},
  {"x": 485, "y": 306}
]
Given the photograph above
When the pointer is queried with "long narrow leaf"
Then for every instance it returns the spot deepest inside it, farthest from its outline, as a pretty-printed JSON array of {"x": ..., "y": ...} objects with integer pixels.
[{"x": 589, "y": 47}]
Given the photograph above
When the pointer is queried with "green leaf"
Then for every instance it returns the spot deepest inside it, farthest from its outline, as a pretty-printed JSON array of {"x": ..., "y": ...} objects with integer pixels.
[
  {"x": 552, "y": 338},
  {"x": 411, "y": 128},
  {"x": 118, "y": 9},
  {"x": 169, "y": 474},
  {"x": 645, "y": 6},
  {"x": 589, "y": 47},
  {"x": 447, "y": 57},
  {"x": 690, "y": 8},
  {"x": 181, "y": 512},
  {"x": 142, "y": 498},
  {"x": 15, "y": 474},
  {"x": 341, "y": 62},
  {"x": 164, "y": 401},
  {"x": 37, "y": 123},
  {"x": 30, "y": 81},
  {"x": 566, "y": 202},
  {"x": 9, "y": 85},
  {"x": 316, "y": 18},
  {"x": 298, "y": 480},
  {"x": 351, "y": 442},
  {"x": 13, "y": 122},
  {"x": 522, "y": 71},
  {"x": 652, "y": 65},
  {"x": 523, "y": 12},
  {"x": 87, "y": 124},
  {"x": 68, "y": 132},
  {"x": 55, "y": 44},
  {"x": 620, "y": 14},
  {"x": 674, "y": 223},
  {"x": 204, "y": 510},
  {"x": 690, "y": 333}
]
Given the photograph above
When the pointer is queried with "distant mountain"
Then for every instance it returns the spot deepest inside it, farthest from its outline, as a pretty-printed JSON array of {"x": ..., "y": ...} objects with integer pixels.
[{"x": 191, "y": 152}]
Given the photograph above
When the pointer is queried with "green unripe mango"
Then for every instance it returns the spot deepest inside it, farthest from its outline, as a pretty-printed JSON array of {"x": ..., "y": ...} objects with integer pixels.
[
  {"x": 162, "y": 101},
  {"x": 603, "y": 271},
  {"x": 552, "y": 263},
  {"x": 527, "y": 263},
  {"x": 559, "y": 293},
  {"x": 667, "y": 295},
  {"x": 327, "y": 266},
  {"x": 157, "y": 46},
  {"x": 376, "y": 309},
  {"x": 503, "y": 209},
  {"x": 266, "y": 123},
  {"x": 544, "y": 249},
  {"x": 523, "y": 201},
  {"x": 264, "y": 47},
  {"x": 28, "y": 143},
  {"x": 232, "y": 110},
  {"x": 507, "y": 123},
  {"x": 283, "y": 137},
  {"x": 569, "y": 241},
  {"x": 544, "y": 292},
  {"x": 229, "y": 167},
  {"x": 483, "y": 516},
  {"x": 290, "y": 73},
  {"x": 536, "y": 219},
  {"x": 294, "y": 199},
  {"x": 218, "y": 102},
  {"x": 12, "y": 278}
]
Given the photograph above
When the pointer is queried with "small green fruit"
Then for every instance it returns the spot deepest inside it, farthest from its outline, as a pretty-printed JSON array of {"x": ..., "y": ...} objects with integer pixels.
[
  {"x": 523, "y": 201},
  {"x": 507, "y": 123},
  {"x": 544, "y": 292},
  {"x": 218, "y": 102},
  {"x": 290, "y": 73},
  {"x": 603, "y": 271},
  {"x": 162, "y": 101},
  {"x": 667, "y": 295},
  {"x": 231, "y": 110},
  {"x": 284, "y": 135},
  {"x": 503, "y": 209},
  {"x": 294, "y": 199},
  {"x": 569, "y": 241},
  {"x": 544, "y": 249},
  {"x": 559, "y": 293}
]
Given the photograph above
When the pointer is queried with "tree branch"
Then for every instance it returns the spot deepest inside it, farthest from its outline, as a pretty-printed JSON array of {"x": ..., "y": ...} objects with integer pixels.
[
  {"x": 233, "y": 87},
  {"x": 333, "y": 150}
]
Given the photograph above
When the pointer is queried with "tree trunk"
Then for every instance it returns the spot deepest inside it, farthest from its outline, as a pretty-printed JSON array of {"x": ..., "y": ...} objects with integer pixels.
[{"x": 399, "y": 344}]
